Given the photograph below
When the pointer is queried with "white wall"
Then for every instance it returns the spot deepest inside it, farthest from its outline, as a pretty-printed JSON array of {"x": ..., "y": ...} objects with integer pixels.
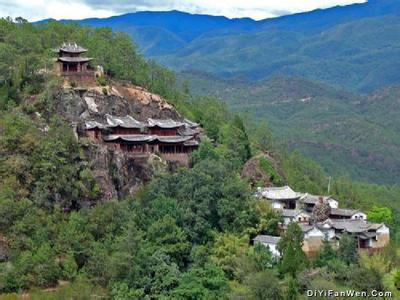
[
  {"x": 359, "y": 215},
  {"x": 272, "y": 248},
  {"x": 333, "y": 203}
]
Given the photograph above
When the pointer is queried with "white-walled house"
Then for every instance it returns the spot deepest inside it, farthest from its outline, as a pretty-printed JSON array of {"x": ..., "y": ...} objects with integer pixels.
[
  {"x": 280, "y": 197},
  {"x": 293, "y": 215},
  {"x": 343, "y": 213},
  {"x": 309, "y": 201},
  {"x": 268, "y": 241}
]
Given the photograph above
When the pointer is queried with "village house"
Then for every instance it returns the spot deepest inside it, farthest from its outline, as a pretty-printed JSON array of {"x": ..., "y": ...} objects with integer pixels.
[
  {"x": 369, "y": 236},
  {"x": 309, "y": 201},
  {"x": 280, "y": 197},
  {"x": 294, "y": 215},
  {"x": 342, "y": 213},
  {"x": 296, "y": 207},
  {"x": 312, "y": 240},
  {"x": 170, "y": 139},
  {"x": 269, "y": 241}
]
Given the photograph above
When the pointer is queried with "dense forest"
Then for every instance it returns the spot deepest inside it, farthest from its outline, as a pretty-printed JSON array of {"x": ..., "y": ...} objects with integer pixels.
[{"x": 184, "y": 235}]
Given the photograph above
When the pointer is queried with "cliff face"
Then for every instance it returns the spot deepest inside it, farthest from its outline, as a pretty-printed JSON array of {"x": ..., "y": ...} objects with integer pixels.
[{"x": 117, "y": 173}]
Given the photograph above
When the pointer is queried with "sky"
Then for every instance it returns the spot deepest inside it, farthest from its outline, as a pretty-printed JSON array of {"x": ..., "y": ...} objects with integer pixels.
[{"x": 35, "y": 10}]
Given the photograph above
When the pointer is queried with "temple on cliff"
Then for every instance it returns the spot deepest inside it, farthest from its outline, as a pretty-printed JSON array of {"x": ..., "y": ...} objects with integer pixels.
[
  {"x": 72, "y": 63},
  {"x": 170, "y": 139}
]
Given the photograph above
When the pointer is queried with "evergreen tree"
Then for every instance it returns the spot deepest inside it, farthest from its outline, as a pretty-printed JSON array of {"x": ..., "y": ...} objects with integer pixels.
[
  {"x": 347, "y": 251},
  {"x": 290, "y": 246}
]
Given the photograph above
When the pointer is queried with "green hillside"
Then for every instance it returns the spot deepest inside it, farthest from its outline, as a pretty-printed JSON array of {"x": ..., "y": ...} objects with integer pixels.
[{"x": 345, "y": 132}]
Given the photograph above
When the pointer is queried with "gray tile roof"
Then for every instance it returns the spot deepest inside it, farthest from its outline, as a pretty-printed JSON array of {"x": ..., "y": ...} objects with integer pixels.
[
  {"x": 125, "y": 122},
  {"x": 72, "y": 48},
  {"x": 191, "y": 143},
  {"x": 351, "y": 226},
  {"x": 173, "y": 139},
  {"x": 93, "y": 125},
  {"x": 129, "y": 138},
  {"x": 74, "y": 59},
  {"x": 168, "y": 123},
  {"x": 186, "y": 130},
  {"x": 291, "y": 213},
  {"x": 191, "y": 123},
  {"x": 343, "y": 212},
  {"x": 269, "y": 239},
  {"x": 314, "y": 199},
  {"x": 279, "y": 193},
  {"x": 147, "y": 138},
  {"x": 305, "y": 227}
]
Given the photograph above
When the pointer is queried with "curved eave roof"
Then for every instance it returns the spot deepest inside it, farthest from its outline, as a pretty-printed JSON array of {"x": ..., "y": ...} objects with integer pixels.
[
  {"x": 129, "y": 138},
  {"x": 74, "y": 59},
  {"x": 167, "y": 124},
  {"x": 125, "y": 122},
  {"x": 147, "y": 138}
]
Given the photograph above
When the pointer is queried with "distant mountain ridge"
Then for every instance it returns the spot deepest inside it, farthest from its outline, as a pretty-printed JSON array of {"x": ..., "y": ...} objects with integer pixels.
[
  {"x": 356, "y": 47},
  {"x": 346, "y": 133}
]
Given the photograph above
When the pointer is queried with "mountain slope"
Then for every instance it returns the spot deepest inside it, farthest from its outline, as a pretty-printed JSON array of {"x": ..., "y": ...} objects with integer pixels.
[{"x": 346, "y": 133}]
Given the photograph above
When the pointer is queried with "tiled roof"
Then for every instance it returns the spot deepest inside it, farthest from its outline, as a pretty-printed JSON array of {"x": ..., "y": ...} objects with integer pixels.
[
  {"x": 168, "y": 123},
  {"x": 93, "y": 125},
  {"x": 74, "y": 59},
  {"x": 72, "y": 47},
  {"x": 279, "y": 193},
  {"x": 191, "y": 123},
  {"x": 343, "y": 212},
  {"x": 351, "y": 226},
  {"x": 125, "y": 122},
  {"x": 186, "y": 130},
  {"x": 314, "y": 199},
  {"x": 130, "y": 138},
  {"x": 146, "y": 138},
  {"x": 173, "y": 139},
  {"x": 290, "y": 213},
  {"x": 268, "y": 239},
  {"x": 305, "y": 227}
]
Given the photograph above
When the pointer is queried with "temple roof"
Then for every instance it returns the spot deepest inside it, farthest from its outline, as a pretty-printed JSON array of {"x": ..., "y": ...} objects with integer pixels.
[
  {"x": 74, "y": 59},
  {"x": 173, "y": 139},
  {"x": 191, "y": 123},
  {"x": 187, "y": 130},
  {"x": 125, "y": 122},
  {"x": 129, "y": 138},
  {"x": 71, "y": 48},
  {"x": 93, "y": 125},
  {"x": 191, "y": 143},
  {"x": 168, "y": 123},
  {"x": 147, "y": 138}
]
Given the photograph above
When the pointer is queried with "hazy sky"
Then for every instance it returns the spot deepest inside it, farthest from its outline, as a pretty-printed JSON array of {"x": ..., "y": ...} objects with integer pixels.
[{"x": 77, "y": 9}]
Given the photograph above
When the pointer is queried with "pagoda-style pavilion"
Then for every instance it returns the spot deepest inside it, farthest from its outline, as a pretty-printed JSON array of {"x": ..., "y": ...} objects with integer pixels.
[{"x": 70, "y": 62}]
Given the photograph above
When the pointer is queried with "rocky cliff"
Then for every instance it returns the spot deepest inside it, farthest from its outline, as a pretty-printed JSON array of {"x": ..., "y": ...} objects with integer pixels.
[{"x": 118, "y": 174}]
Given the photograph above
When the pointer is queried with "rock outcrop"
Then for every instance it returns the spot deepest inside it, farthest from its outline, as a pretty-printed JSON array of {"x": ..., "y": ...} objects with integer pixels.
[{"x": 119, "y": 174}]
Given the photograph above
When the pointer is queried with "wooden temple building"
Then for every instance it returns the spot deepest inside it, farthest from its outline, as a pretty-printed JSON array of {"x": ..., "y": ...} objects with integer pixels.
[
  {"x": 172, "y": 140},
  {"x": 72, "y": 63}
]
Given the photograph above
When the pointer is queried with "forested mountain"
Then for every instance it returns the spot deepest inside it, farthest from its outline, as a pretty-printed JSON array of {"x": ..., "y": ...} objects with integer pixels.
[
  {"x": 354, "y": 47},
  {"x": 348, "y": 48},
  {"x": 345, "y": 132},
  {"x": 184, "y": 233}
]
